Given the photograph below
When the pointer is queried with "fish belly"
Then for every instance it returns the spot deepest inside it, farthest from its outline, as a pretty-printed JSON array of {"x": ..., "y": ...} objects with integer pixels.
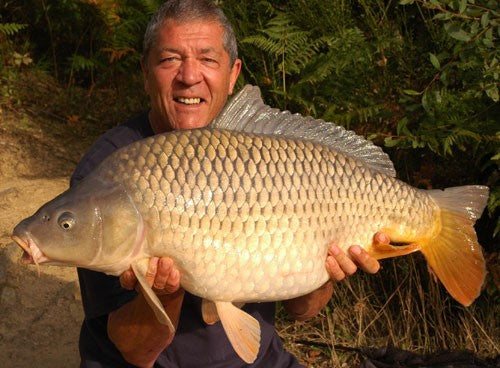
[{"x": 249, "y": 217}]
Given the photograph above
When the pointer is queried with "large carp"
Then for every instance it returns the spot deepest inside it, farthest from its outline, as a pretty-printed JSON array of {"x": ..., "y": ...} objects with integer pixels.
[{"x": 247, "y": 207}]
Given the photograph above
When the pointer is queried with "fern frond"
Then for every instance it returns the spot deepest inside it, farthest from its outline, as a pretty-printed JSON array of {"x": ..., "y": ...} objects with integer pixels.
[
  {"x": 356, "y": 115},
  {"x": 82, "y": 63},
  {"x": 10, "y": 29}
]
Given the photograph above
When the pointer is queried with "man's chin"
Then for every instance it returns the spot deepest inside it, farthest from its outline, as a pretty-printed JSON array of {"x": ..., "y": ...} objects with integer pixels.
[{"x": 192, "y": 121}]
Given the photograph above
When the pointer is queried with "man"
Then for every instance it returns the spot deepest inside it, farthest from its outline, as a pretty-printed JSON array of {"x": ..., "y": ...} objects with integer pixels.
[{"x": 190, "y": 66}]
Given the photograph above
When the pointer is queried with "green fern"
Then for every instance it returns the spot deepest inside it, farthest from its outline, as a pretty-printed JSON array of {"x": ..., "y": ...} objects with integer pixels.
[
  {"x": 355, "y": 115},
  {"x": 81, "y": 63},
  {"x": 10, "y": 29},
  {"x": 290, "y": 47}
]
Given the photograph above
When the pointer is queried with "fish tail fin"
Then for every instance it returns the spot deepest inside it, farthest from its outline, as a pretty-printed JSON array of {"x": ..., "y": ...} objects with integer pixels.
[{"x": 455, "y": 255}]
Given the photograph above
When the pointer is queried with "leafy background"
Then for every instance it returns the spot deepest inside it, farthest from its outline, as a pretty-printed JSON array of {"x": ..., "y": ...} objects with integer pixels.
[{"x": 418, "y": 77}]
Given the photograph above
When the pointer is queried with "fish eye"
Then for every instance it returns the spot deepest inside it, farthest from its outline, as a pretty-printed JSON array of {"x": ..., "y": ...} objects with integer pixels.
[{"x": 66, "y": 221}]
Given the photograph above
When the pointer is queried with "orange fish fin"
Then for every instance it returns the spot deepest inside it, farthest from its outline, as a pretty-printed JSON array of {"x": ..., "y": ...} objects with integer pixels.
[
  {"x": 209, "y": 312},
  {"x": 388, "y": 250},
  {"x": 242, "y": 330},
  {"x": 455, "y": 257}
]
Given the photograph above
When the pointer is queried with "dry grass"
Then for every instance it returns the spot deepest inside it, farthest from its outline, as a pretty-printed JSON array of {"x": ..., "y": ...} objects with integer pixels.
[{"x": 401, "y": 306}]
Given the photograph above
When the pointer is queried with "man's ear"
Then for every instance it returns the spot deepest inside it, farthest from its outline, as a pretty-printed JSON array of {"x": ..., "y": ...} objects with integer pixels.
[{"x": 235, "y": 72}]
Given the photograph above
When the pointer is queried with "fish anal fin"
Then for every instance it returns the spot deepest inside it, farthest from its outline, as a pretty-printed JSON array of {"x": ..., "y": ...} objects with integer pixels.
[
  {"x": 140, "y": 268},
  {"x": 455, "y": 257},
  {"x": 242, "y": 330},
  {"x": 209, "y": 312},
  {"x": 380, "y": 250}
]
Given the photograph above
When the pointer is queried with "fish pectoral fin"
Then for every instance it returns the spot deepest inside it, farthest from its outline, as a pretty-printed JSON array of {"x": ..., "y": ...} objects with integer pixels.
[
  {"x": 140, "y": 268},
  {"x": 242, "y": 330},
  {"x": 209, "y": 312},
  {"x": 387, "y": 250}
]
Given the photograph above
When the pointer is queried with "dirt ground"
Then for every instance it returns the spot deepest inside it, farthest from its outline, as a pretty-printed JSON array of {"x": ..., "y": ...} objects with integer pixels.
[{"x": 40, "y": 315}]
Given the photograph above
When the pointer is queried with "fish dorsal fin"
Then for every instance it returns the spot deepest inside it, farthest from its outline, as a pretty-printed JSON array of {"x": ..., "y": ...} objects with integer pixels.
[
  {"x": 140, "y": 268},
  {"x": 246, "y": 112},
  {"x": 242, "y": 330}
]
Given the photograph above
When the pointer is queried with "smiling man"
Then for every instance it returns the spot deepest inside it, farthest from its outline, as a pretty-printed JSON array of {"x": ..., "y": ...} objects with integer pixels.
[
  {"x": 188, "y": 74},
  {"x": 190, "y": 66}
]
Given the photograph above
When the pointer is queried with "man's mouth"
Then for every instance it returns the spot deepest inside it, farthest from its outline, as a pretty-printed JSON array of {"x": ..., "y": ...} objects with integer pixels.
[{"x": 188, "y": 101}]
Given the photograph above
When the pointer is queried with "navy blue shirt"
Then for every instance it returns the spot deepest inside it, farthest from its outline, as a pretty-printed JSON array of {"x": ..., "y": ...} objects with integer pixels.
[{"x": 195, "y": 344}]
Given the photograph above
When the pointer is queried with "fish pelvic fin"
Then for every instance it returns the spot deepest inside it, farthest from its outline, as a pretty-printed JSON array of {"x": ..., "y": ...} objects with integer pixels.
[
  {"x": 140, "y": 268},
  {"x": 242, "y": 330},
  {"x": 209, "y": 312},
  {"x": 455, "y": 255}
]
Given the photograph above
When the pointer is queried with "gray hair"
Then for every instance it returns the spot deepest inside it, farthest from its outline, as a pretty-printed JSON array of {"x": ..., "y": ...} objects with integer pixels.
[{"x": 184, "y": 11}]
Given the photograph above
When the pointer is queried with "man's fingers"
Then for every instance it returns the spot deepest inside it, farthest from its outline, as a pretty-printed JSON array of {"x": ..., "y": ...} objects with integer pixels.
[
  {"x": 334, "y": 269},
  {"x": 174, "y": 280},
  {"x": 163, "y": 272},
  {"x": 128, "y": 279},
  {"x": 342, "y": 261},
  {"x": 167, "y": 278},
  {"x": 152, "y": 270},
  {"x": 381, "y": 238},
  {"x": 363, "y": 259},
  {"x": 161, "y": 275}
]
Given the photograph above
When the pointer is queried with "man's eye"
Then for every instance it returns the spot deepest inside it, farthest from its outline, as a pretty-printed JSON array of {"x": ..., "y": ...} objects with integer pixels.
[{"x": 169, "y": 59}]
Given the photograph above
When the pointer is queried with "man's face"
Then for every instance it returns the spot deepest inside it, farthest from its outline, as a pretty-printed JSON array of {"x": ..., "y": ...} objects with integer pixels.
[{"x": 188, "y": 75}]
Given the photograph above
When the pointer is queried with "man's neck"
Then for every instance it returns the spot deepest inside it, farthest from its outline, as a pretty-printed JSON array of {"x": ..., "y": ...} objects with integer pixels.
[{"x": 157, "y": 125}]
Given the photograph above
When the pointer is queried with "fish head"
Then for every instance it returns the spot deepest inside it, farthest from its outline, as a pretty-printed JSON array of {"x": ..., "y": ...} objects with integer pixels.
[{"x": 93, "y": 225}]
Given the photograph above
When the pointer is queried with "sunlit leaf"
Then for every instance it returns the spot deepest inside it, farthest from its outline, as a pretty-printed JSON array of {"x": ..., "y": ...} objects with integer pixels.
[
  {"x": 434, "y": 61},
  {"x": 485, "y": 19},
  {"x": 462, "y": 6},
  {"x": 456, "y": 32},
  {"x": 412, "y": 92},
  {"x": 391, "y": 142}
]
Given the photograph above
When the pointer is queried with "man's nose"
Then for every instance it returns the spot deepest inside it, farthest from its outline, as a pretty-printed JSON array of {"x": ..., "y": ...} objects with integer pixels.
[{"x": 189, "y": 72}]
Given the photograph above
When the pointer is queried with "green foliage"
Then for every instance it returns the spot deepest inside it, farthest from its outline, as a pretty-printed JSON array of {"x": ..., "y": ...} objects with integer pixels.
[
  {"x": 10, "y": 29},
  {"x": 494, "y": 204},
  {"x": 78, "y": 39}
]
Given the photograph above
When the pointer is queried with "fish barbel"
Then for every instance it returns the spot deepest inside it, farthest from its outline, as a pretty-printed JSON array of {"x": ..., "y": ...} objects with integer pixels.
[{"x": 247, "y": 207}]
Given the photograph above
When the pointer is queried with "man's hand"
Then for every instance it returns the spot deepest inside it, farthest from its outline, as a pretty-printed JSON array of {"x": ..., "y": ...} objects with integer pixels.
[
  {"x": 133, "y": 327},
  {"x": 162, "y": 276},
  {"x": 339, "y": 265}
]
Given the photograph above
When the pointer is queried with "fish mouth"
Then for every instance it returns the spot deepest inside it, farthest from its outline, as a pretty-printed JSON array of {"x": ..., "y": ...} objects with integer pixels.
[{"x": 32, "y": 253}]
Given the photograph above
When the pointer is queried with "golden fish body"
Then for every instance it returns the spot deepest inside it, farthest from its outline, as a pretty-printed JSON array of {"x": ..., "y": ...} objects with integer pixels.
[
  {"x": 247, "y": 208},
  {"x": 249, "y": 217}
]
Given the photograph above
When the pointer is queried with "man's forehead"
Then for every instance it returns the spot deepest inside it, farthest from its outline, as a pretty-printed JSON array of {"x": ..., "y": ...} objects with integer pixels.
[
  {"x": 205, "y": 36},
  {"x": 200, "y": 50},
  {"x": 192, "y": 25}
]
